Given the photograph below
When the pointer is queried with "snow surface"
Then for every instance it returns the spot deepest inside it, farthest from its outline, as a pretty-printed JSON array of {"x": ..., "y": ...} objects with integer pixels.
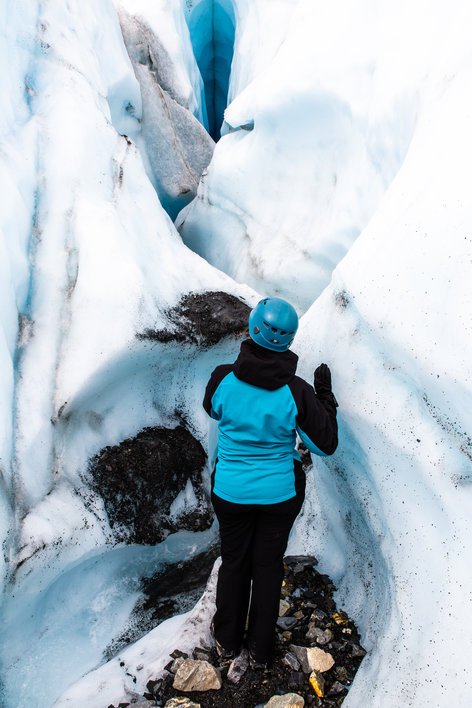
[{"x": 348, "y": 133}]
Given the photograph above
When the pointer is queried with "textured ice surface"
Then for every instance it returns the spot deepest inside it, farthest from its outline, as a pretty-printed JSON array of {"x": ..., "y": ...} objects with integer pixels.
[
  {"x": 347, "y": 119},
  {"x": 392, "y": 507},
  {"x": 319, "y": 124},
  {"x": 89, "y": 259},
  {"x": 174, "y": 144},
  {"x": 146, "y": 658}
]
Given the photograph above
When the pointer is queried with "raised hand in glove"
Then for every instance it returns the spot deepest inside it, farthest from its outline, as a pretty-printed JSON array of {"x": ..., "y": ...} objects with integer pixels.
[{"x": 322, "y": 381}]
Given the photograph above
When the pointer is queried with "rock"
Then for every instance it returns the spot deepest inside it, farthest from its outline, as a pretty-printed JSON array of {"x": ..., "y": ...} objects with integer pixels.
[
  {"x": 317, "y": 683},
  {"x": 297, "y": 680},
  {"x": 298, "y": 568},
  {"x": 318, "y": 635},
  {"x": 291, "y": 660},
  {"x": 341, "y": 673},
  {"x": 238, "y": 667},
  {"x": 312, "y": 658},
  {"x": 286, "y": 622},
  {"x": 176, "y": 664},
  {"x": 313, "y": 632},
  {"x": 336, "y": 688},
  {"x": 177, "y": 654},
  {"x": 305, "y": 561},
  {"x": 340, "y": 617},
  {"x": 202, "y": 654},
  {"x": 286, "y": 589},
  {"x": 181, "y": 702},
  {"x": 357, "y": 652},
  {"x": 288, "y": 700},
  {"x": 154, "y": 687},
  {"x": 318, "y": 616},
  {"x": 197, "y": 675},
  {"x": 284, "y": 607}
]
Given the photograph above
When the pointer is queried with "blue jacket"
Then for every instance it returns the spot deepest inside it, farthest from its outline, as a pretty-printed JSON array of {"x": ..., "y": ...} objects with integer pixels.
[{"x": 260, "y": 405}]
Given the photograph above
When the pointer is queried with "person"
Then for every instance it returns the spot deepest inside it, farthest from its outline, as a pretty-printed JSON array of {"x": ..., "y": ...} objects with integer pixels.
[{"x": 258, "y": 484}]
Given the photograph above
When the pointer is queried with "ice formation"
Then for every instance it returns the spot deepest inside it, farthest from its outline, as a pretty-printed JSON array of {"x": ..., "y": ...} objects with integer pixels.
[
  {"x": 341, "y": 177},
  {"x": 174, "y": 144},
  {"x": 90, "y": 260}
]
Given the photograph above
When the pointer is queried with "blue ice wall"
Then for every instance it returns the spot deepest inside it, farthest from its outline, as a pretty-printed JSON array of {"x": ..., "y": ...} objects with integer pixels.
[{"x": 212, "y": 27}]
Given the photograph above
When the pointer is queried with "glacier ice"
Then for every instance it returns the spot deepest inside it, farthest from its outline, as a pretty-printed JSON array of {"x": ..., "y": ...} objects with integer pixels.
[
  {"x": 89, "y": 261},
  {"x": 174, "y": 144},
  {"x": 342, "y": 172},
  {"x": 211, "y": 25},
  {"x": 324, "y": 117}
]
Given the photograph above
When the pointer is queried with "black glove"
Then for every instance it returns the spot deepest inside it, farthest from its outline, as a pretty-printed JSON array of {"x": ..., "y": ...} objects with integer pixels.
[
  {"x": 322, "y": 379},
  {"x": 323, "y": 384}
]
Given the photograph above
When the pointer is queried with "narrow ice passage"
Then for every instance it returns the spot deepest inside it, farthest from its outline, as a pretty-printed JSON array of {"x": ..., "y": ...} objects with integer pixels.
[{"x": 211, "y": 25}]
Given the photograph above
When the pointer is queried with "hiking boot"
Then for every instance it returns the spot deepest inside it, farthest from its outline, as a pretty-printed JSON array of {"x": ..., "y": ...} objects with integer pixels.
[
  {"x": 254, "y": 663},
  {"x": 257, "y": 665},
  {"x": 224, "y": 655}
]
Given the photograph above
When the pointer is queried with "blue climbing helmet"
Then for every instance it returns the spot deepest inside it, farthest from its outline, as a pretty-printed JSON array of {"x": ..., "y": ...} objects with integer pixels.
[{"x": 273, "y": 324}]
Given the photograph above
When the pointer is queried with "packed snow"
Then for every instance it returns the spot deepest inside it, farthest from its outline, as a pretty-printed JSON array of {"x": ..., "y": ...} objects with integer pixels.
[{"x": 341, "y": 181}]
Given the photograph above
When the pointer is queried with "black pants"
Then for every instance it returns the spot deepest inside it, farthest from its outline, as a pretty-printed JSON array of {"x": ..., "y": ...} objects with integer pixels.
[{"x": 253, "y": 542}]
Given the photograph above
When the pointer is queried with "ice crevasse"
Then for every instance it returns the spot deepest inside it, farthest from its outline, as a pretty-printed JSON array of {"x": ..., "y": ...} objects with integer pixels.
[{"x": 341, "y": 183}]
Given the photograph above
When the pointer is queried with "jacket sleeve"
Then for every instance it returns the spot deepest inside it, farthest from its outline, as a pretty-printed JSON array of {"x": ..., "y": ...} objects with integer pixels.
[
  {"x": 316, "y": 419},
  {"x": 215, "y": 379}
]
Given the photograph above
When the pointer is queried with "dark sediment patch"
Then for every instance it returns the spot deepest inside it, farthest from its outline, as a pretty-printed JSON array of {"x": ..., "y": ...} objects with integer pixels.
[
  {"x": 342, "y": 299},
  {"x": 140, "y": 478},
  {"x": 203, "y": 319}
]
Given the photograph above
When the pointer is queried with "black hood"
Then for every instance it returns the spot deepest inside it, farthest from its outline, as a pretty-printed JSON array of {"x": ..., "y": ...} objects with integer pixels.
[{"x": 264, "y": 368}]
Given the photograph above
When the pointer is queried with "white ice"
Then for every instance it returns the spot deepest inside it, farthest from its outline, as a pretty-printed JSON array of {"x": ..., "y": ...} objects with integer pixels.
[
  {"x": 174, "y": 145},
  {"x": 344, "y": 173},
  {"x": 89, "y": 259},
  {"x": 327, "y": 107}
]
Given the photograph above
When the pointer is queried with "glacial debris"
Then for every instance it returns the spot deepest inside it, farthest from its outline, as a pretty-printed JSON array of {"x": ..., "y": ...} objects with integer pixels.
[
  {"x": 203, "y": 319},
  {"x": 151, "y": 484},
  {"x": 303, "y": 673}
]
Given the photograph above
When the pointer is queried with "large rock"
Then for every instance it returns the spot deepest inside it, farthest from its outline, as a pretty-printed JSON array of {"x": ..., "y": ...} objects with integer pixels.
[
  {"x": 196, "y": 675},
  {"x": 288, "y": 700},
  {"x": 313, "y": 659}
]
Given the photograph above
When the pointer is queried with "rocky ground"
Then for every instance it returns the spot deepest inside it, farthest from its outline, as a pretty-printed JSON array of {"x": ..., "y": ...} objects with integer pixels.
[{"x": 317, "y": 655}]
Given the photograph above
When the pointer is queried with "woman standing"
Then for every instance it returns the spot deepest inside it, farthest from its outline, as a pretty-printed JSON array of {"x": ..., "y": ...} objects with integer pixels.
[{"x": 258, "y": 485}]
